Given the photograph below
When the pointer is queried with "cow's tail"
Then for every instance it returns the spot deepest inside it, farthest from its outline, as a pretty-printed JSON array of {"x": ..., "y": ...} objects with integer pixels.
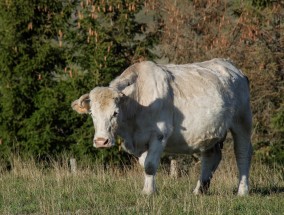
[
  {"x": 247, "y": 81},
  {"x": 234, "y": 65}
]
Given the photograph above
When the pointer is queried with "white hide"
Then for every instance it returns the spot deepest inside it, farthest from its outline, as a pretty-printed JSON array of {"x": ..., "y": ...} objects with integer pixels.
[{"x": 179, "y": 109}]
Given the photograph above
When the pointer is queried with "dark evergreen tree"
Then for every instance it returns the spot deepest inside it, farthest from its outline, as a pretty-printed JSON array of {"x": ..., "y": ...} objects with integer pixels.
[
  {"x": 51, "y": 53},
  {"x": 27, "y": 60}
]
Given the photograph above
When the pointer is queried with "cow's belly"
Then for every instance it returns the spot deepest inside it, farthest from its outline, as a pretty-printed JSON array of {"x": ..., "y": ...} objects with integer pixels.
[
  {"x": 203, "y": 112},
  {"x": 198, "y": 129},
  {"x": 178, "y": 143}
]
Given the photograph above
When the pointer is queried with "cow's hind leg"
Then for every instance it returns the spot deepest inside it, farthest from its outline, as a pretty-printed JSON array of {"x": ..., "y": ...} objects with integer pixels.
[
  {"x": 210, "y": 160},
  {"x": 243, "y": 153}
]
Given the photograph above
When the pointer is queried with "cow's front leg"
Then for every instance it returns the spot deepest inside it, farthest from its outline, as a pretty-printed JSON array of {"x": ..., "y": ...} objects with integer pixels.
[
  {"x": 150, "y": 161},
  {"x": 149, "y": 181}
]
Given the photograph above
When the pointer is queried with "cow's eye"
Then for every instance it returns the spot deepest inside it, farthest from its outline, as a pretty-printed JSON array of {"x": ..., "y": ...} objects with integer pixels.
[{"x": 115, "y": 114}]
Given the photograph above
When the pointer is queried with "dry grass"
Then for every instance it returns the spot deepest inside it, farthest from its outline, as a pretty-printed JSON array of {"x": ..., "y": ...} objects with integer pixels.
[{"x": 32, "y": 189}]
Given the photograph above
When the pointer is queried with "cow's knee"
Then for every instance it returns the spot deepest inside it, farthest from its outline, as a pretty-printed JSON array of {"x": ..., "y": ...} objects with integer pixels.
[
  {"x": 149, "y": 163},
  {"x": 150, "y": 168}
]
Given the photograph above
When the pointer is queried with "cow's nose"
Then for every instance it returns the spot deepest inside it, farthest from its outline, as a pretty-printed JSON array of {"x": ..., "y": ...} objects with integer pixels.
[{"x": 101, "y": 142}]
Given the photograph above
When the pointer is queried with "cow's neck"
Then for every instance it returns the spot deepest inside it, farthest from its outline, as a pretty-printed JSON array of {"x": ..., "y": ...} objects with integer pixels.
[{"x": 127, "y": 126}]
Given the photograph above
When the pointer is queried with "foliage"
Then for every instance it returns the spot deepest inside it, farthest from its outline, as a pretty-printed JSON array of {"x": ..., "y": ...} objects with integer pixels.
[
  {"x": 248, "y": 32},
  {"x": 27, "y": 61},
  {"x": 274, "y": 151},
  {"x": 53, "y": 52}
]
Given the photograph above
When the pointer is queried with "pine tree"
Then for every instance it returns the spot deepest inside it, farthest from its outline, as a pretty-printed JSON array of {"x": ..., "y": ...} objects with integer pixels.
[
  {"x": 27, "y": 60},
  {"x": 51, "y": 53}
]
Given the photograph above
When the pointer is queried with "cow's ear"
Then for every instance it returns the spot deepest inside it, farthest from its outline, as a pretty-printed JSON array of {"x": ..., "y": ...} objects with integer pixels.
[{"x": 82, "y": 105}]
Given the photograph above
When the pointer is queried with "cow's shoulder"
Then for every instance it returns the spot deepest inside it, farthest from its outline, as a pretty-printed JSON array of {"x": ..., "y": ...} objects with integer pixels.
[
  {"x": 131, "y": 73},
  {"x": 145, "y": 82}
]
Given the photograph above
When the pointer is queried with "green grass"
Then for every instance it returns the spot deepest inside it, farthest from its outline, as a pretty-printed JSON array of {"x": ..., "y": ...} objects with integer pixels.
[{"x": 32, "y": 189}]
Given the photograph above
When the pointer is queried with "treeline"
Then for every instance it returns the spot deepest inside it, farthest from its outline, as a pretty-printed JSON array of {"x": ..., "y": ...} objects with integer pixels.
[
  {"x": 249, "y": 32},
  {"x": 51, "y": 52}
]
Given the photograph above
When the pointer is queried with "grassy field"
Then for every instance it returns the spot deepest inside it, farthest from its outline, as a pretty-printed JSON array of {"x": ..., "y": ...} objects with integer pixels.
[{"x": 30, "y": 188}]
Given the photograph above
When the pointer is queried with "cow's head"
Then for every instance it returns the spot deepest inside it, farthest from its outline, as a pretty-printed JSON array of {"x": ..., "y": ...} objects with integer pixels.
[{"x": 102, "y": 103}]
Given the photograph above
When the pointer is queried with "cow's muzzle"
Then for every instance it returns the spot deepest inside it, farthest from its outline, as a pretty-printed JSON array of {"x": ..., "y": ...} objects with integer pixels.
[{"x": 102, "y": 143}]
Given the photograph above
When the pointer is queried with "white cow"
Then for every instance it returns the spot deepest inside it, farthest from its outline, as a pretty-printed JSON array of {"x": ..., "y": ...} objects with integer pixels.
[{"x": 175, "y": 108}]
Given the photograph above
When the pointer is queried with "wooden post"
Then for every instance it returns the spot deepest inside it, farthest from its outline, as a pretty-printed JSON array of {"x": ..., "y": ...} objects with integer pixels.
[
  {"x": 73, "y": 165},
  {"x": 174, "y": 170}
]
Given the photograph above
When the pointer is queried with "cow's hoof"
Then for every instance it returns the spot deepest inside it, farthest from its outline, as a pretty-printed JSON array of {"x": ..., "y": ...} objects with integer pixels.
[
  {"x": 196, "y": 192},
  {"x": 200, "y": 191},
  {"x": 149, "y": 192},
  {"x": 243, "y": 190},
  {"x": 243, "y": 193}
]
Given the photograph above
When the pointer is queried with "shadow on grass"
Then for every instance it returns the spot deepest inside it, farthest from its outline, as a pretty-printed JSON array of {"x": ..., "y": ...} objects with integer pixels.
[{"x": 266, "y": 191}]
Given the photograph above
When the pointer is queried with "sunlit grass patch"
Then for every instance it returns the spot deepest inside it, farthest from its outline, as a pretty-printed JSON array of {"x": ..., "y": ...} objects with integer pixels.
[{"x": 31, "y": 188}]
